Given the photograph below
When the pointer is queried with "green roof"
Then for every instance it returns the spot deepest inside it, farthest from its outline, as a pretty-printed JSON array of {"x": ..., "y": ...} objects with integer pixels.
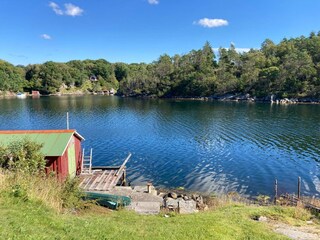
[{"x": 54, "y": 141}]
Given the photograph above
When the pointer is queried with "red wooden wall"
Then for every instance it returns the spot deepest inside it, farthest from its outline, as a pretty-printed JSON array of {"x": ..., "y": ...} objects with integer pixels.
[
  {"x": 59, "y": 164},
  {"x": 77, "y": 144}
]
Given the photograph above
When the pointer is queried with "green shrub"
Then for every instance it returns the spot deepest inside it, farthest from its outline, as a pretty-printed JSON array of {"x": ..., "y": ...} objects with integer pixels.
[
  {"x": 22, "y": 176},
  {"x": 19, "y": 192},
  {"x": 23, "y": 155},
  {"x": 71, "y": 195},
  {"x": 47, "y": 190}
]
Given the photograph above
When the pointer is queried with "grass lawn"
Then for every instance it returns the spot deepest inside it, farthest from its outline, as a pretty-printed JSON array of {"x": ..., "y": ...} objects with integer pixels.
[{"x": 32, "y": 220}]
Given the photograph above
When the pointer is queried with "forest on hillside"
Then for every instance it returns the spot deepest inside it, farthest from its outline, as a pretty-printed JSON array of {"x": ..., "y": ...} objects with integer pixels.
[{"x": 290, "y": 68}]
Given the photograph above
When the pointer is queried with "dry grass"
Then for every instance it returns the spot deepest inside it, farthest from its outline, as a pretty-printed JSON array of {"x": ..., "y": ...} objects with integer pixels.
[
  {"x": 27, "y": 219},
  {"x": 232, "y": 198},
  {"x": 45, "y": 189},
  {"x": 2, "y": 180}
]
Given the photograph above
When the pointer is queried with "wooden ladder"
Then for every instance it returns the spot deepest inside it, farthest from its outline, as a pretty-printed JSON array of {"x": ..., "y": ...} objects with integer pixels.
[{"x": 86, "y": 163}]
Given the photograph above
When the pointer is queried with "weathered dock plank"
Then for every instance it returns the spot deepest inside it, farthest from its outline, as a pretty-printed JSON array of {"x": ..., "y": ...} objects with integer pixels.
[
  {"x": 108, "y": 179},
  {"x": 104, "y": 178}
]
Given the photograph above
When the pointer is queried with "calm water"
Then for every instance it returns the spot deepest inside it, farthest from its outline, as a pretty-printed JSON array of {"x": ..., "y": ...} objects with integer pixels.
[{"x": 203, "y": 146}]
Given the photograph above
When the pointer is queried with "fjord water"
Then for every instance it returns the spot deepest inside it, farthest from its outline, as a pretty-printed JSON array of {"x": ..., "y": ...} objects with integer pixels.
[{"x": 203, "y": 146}]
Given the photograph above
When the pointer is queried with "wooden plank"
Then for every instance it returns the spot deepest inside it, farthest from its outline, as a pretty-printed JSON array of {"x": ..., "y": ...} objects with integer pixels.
[
  {"x": 123, "y": 164},
  {"x": 85, "y": 187},
  {"x": 98, "y": 179},
  {"x": 87, "y": 179},
  {"x": 108, "y": 180},
  {"x": 100, "y": 185},
  {"x": 104, "y": 177},
  {"x": 83, "y": 182},
  {"x": 116, "y": 179},
  {"x": 106, "y": 167}
]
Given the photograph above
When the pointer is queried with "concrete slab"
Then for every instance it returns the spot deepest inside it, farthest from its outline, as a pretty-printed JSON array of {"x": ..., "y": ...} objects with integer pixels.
[
  {"x": 136, "y": 196},
  {"x": 140, "y": 188},
  {"x": 145, "y": 207},
  {"x": 142, "y": 202}
]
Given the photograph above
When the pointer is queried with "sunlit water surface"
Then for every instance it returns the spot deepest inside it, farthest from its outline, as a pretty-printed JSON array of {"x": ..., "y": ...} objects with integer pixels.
[{"x": 203, "y": 146}]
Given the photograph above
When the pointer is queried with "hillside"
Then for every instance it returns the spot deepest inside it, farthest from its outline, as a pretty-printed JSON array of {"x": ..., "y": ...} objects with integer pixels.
[{"x": 290, "y": 68}]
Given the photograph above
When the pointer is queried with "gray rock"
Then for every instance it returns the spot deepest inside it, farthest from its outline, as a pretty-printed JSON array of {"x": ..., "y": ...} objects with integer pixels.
[
  {"x": 154, "y": 192},
  {"x": 140, "y": 188},
  {"x": 194, "y": 197},
  {"x": 187, "y": 207},
  {"x": 184, "y": 207},
  {"x": 199, "y": 200},
  {"x": 201, "y": 206},
  {"x": 262, "y": 219},
  {"x": 145, "y": 207},
  {"x": 173, "y": 195},
  {"x": 172, "y": 203},
  {"x": 162, "y": 194}
]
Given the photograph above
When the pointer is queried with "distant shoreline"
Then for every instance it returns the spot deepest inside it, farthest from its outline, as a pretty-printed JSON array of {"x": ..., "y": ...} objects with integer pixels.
[{"x": 222, "y": 98}]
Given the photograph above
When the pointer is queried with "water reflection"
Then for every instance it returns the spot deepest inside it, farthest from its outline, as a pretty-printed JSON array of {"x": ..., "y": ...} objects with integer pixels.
[{"x": 203, "y": 146}]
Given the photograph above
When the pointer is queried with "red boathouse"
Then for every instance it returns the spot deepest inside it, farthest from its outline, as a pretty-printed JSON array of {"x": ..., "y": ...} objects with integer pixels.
[{"x": 61, "y": 148}]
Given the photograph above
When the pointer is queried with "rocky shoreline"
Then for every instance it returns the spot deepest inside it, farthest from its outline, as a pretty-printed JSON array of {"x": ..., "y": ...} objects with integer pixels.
[
  {"x": 222, "y": 98},
  {"x": 248, "y": 98},
  {"x": 268, "y": 99},
  {"x": 146, "y": 199},
  {"x": 184, "y": 203}
]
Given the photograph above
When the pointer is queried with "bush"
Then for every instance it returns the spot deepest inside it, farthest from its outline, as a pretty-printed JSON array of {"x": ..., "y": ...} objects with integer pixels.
[
  {"x": 23, "y": 155},
  {"x": 71, "y": 195},
  {"x": 43, "y": 189},
  {"x": 22, "y": 176}
]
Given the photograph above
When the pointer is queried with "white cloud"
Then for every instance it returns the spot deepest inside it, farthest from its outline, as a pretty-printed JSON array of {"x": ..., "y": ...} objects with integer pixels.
[
  {"x": 45, "y": 36},
  {"x": 239, "y": 50},
  {"x": 211, "y": 23},
  {"x": 153, "y": 2},
  {"x": 242, "y": 50},
  {"x": 70, "y": 9},
  {"x": 55, "y": 7}
]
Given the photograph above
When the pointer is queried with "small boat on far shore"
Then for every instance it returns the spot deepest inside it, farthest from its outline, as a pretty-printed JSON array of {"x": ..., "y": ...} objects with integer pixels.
[{"x": 21, "y": 95}]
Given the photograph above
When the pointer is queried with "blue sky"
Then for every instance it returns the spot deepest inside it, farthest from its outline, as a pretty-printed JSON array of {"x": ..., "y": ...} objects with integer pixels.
[{"x": 35, "y": 31}]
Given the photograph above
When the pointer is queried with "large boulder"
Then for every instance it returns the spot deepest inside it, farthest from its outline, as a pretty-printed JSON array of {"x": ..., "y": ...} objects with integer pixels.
[
  {"x": 182, "y": 206},
  {"x": 187, "y": 207}
]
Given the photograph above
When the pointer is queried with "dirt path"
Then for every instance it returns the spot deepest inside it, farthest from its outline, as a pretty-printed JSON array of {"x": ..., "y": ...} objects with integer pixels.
[{"x": 310, "y": 232}]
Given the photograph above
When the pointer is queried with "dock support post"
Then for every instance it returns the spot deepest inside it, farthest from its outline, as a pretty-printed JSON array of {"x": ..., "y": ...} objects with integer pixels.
[
  {"x": 275, "y": 191},
  {"x": 67, "y": 120},
  {"x": 149, "y": 184},
  {"x": 299, "y": 187},
  {"x": 125, "y": 177},
  {"x": 90, "y": 169},
  {"x": 82, "y": 164}
]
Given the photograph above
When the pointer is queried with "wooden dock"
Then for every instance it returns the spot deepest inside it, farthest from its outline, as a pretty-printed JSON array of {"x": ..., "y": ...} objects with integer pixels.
[{"x": 104, "y": 178}]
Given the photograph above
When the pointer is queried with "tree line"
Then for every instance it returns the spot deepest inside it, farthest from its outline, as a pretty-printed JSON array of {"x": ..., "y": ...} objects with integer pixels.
[{"x": 288, "y": 69}]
